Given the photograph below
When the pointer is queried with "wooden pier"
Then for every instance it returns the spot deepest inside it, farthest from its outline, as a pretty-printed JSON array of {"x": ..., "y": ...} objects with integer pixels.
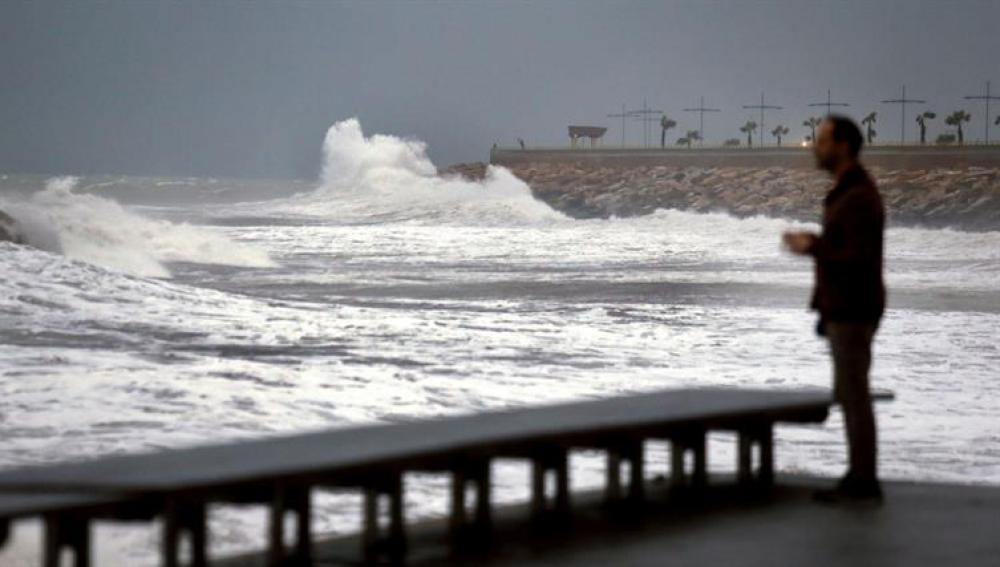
[{"x": 280, "y": 473}]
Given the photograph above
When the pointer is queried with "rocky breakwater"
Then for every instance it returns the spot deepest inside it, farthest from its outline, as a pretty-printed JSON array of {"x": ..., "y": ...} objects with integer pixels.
[
  {"x": 8, "y": 229},
  {"x": 966, "y": 197}
]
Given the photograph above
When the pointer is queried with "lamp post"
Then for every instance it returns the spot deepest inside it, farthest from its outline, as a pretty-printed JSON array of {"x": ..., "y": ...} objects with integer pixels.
[
  {"x": 623, "y": 114},
  {"x": 987, "y": 98},
  {"x": 902, "y": 102},
  {"x": 701, "y": 110},
  {"x": 829, "y": 104},
  {"x": 644, "y": 115},
  {"x": 762, "y": 107}
]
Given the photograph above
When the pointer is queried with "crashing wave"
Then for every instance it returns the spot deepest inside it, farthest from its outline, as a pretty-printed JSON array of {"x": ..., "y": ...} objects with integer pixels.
[
  {"x": 100, "y": 231},
  {"x": 387, "y": 178}
]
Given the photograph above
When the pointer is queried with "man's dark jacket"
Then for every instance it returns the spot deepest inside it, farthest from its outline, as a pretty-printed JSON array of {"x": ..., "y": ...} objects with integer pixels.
[{"x": 849, "y": 286}]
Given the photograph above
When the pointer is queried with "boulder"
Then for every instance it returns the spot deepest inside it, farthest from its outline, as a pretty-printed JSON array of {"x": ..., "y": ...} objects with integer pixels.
[
  {"x": 8, "y": 229},
  {"x": 475, "y": 171}
]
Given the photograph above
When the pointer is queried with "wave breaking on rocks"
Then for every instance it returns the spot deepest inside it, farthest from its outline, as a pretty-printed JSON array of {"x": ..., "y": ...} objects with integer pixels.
[{"x": 962, "y": 197}]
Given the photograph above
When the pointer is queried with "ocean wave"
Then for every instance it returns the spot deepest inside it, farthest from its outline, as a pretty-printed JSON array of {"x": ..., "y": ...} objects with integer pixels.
[
  {"x": 103, "y": 232},
  {"x": 384, "y": 178}
]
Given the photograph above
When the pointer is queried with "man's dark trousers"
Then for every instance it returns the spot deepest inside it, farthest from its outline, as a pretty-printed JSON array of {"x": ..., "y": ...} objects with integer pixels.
[{"x": 851, "y": 349}]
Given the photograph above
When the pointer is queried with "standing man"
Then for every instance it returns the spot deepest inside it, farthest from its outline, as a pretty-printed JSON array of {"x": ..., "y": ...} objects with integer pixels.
[{"x": 849, "y": 295}]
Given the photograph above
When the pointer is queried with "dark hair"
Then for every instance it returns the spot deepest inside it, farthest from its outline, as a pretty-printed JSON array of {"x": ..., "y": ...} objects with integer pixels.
[{"x": 845, "y": 130}]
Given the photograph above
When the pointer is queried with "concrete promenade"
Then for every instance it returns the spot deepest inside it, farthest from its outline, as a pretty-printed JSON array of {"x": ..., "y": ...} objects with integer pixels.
[{"x": 920, "y": 524}]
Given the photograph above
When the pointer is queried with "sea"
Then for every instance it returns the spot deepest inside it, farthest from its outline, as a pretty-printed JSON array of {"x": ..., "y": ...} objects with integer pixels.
[{"x": 151, "y": 313}]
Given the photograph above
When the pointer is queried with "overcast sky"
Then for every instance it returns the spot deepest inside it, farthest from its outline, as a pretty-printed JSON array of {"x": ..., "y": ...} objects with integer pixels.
[{"x": 248, "y": 88}]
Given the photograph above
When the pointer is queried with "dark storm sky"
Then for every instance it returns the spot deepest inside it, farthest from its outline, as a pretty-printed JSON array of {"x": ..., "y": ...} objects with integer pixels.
[{"x": 248, "y": 88}]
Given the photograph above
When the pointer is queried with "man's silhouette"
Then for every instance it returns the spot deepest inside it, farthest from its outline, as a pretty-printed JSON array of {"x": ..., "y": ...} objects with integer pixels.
[{"x": 849, "y": 294}]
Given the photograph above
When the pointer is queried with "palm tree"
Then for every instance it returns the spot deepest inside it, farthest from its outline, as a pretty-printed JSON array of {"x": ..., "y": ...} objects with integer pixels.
[
  {"x": 750, "y": 127},
  {"x": 922, "y": 121},
  {"x": 778, "y": 132},
  {"x": 868, "y": 121},
  {"x": 955, "y": 119},
  {"x": 665, "y": 124},
  {"x": 812, "y": 123}
]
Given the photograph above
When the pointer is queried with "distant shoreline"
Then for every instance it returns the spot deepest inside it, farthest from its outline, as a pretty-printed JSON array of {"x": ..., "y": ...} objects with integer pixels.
[{"x": 959, "y": 196}]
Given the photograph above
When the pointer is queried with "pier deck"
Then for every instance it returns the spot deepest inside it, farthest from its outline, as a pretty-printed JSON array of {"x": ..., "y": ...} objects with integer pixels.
[
  {"x": 920, "y": 524},
  {"x": 280, "y": 473}
]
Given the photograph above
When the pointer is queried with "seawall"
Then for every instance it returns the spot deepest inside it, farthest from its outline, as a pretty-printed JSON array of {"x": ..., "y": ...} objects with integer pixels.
[
  {"x": 891, "y": 157},
  {"x": 922, "y": 186}
]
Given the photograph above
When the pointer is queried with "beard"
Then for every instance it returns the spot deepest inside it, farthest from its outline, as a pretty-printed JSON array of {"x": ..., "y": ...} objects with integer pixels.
[{"x": 827, "y": 162}]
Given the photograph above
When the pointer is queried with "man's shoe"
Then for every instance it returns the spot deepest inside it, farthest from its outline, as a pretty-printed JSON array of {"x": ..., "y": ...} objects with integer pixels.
[{"x": 851, "y": 490}]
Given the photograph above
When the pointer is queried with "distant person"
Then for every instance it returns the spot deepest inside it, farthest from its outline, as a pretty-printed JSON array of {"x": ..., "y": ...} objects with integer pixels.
[
  {"x": 849, "y": 295},
  {"x": 520, "y": 142}
]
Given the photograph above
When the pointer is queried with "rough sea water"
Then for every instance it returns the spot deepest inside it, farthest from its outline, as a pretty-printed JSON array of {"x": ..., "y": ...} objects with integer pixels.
[{"x": 139, "y": 321}]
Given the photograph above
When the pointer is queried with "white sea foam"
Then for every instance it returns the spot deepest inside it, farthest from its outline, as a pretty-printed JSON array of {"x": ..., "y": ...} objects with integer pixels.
[
  {"x": 388, "y": 178},
  {"x": 101, "y": 231}
]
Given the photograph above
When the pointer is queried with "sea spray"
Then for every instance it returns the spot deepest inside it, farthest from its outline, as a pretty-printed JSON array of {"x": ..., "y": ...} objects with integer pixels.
[
  {"x": 100, "y": 231},
  {"x": 392, "y": 179}
]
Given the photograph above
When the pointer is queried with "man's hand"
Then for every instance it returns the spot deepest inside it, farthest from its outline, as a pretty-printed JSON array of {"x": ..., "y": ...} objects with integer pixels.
[{"x": 798, "y": 242}]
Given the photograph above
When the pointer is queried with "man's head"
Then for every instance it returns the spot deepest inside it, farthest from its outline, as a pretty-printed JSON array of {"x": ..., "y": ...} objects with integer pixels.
[{"x": 838, "y": 143}]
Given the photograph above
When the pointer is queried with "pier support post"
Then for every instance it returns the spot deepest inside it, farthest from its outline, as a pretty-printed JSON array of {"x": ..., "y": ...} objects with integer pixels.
[
  {"x": 636, "y": 485},
  {"x": 761, "y": 436},
  {"x": 744, "y": 458},
  {"x": 694, "y": 442},
  {"x": 458, "y": 517},
  {"x": 184, "y": 518},
  {"x": 537, "y": 488},
  {"x": 631, "y": 452},
  {"x": 767, "y": 456},
  {"x": 613, "y": 487},
  {"x": 295, "y": 499},
  {"x": 477, "y": 472},
  {"x": 699, "y": 477},
  {"x": 63, "y": 532},
  {"x": 555, "y": 460},
  {"x": 483, "y": 480},
  {"x": 391, "y": 487},
  {"x": 562, "y": 483},
  {"x": 369, "y": 532},
  {"x": 677, "y": 474},
  {"x": 397, "y": 521}
]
